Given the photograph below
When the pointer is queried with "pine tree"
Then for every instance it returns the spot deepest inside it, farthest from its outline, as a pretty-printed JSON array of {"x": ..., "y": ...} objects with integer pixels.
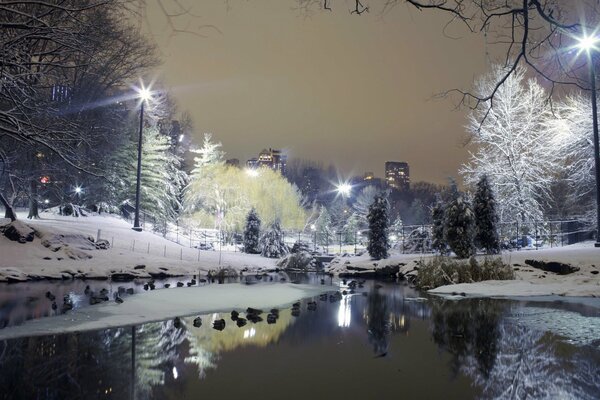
[
  {"x": 162, "y": 179},
  {"x": 323, "y": 228},
  {"x": 437, "y": 216},
  {"x": 251, "y": 233},
  {"x": 272, "y": 243},
  {"x": 459, "y": 225},
  {"x": 378, "y": 228},
  {"x": 486, "y": 217},
  {"x": 351, "y": 229}
]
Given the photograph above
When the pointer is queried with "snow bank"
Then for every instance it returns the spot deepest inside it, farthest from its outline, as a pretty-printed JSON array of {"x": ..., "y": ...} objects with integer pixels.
[
  {"x": 159, "y": 305},
  {"x": 66, "y": 247},
  {"x": 520, "y": 288}
]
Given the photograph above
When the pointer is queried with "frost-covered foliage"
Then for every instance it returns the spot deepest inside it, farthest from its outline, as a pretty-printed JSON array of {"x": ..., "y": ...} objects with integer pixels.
[
  {"x": 571, "y": 134},
  {"x": 486, "y": 217},
  {"x": 417, "y": 241},
  {"x": 220, "y": 196},
  {"x": 459, "y": 225},
  {"x": 252, "y": 233},
  {"x": 323, "y": 227},
  {"x": 512, "y": 146},
  {"x": 301, "y": 260},
  {"x": 437, "y": 230},
  {"x": 350, "y": 229},
  {"x": 272, "y": 242},
  {"x": 162, "y": 179},
  {"x": 364, "y": 199},
  {"x": 378, "y": 228},
  {"x": 440, "y": 271}
]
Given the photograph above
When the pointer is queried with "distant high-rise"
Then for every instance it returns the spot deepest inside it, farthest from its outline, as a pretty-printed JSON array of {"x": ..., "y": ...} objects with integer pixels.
[
  {"x": 271, "y": 158},
  {"x": 397, "y": 175}
]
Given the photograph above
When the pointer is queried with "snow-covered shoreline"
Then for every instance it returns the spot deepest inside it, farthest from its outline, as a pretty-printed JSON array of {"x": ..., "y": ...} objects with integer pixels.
[
  {"x": 159, "y": 305},
  {"x": 137, "y": 254}
]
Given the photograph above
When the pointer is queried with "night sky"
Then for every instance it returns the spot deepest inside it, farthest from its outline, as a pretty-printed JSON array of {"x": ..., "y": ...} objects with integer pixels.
[{"x": 352, "y": 91}]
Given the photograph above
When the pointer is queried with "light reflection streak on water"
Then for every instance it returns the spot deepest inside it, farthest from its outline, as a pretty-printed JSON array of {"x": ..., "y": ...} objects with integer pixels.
[{"x": 344, "y": 314}]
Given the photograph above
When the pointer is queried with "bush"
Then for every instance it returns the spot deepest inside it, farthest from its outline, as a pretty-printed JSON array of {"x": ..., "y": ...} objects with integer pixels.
[
  {"x": 300, "y": 261},
  {"x": 440, "y": 271}
]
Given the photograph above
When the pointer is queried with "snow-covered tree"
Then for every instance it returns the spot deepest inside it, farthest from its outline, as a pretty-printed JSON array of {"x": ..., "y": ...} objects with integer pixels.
[
  {"x": 252, "y": 233},
  {"x": 323, "y": 227},
  {"x": 486, "y": 217},
  {"x": 459, "y": 225},
  {"x": 364, "y": 199},
  {"x": 571, "y": 135},
  {"x": 162, "y": 179},
  {"x": 350, "y": 229},
  {"x": 378, "y": 228},
  {"x": 438, "y": 242},
  {"x": 272, "y": 242},
  {"x": 512, "y": 146}
]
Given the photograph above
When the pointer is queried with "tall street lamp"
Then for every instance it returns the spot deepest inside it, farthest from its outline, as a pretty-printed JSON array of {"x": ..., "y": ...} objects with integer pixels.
[
  {"x": 144, "y": 95},
  {"x": 589, "y": 45}
]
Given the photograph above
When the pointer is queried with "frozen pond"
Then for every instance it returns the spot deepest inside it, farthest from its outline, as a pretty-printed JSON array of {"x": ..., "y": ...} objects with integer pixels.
[{"x": 379, "y": 342}]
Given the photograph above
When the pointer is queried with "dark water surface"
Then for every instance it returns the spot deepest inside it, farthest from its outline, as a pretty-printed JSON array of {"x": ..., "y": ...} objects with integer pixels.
[{"x": 378, "y": 343}]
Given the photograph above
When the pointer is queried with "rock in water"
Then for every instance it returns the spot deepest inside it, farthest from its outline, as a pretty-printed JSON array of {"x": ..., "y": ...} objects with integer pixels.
[
  {"x": 197, "y": 322},
  {"x": 234, "y": 315},
  {"x": 167, "y": 285},
  {"x": 118, "y": 299},
  {"x": 271, "y": 319},
  {"x": 241, "y": 322},
  {"x": 54, "y": 306},
  {"x": 146, "y": 287},
  {"x": 179, "y": 284},
  {"x": 50, "y": 296},
  {"x": 130, "y": 291},
  {"x": 177, "y": 322}
]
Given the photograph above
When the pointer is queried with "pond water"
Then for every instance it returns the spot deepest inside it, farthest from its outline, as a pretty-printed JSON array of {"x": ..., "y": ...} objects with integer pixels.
[{"x": 377, "y": 343}]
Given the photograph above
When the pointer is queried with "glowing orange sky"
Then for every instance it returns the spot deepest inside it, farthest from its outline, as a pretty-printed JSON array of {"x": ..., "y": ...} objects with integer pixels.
[{"x": 354, "y": 91}]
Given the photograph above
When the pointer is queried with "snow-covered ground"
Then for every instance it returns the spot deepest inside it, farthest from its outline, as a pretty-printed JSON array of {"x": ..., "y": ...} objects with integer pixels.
[
  {"x": 159, "y": 305},
  {"x": 31, "y": 260},
  {"x": 529, "y": 281}
]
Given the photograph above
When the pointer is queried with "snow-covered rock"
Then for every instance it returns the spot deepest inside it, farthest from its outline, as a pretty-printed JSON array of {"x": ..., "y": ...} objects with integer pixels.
[{"x": 18, "y": 231}]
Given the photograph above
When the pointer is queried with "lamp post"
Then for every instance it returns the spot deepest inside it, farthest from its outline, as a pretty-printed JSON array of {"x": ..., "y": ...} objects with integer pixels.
[
  {"x": 589, "y": 45},
  {"x": 144, "y": 95}
]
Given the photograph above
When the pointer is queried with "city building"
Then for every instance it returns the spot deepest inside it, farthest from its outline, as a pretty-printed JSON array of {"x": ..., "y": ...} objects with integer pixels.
[
  {"x": 397, "y": 175},
  {"x": 270, "y": 158}
]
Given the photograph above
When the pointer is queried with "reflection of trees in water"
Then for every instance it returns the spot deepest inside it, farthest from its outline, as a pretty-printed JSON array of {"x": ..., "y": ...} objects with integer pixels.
[
  {"x": 157, "y": 348},
  {"x": 468, "y": 328},
  {"x": 378, "y": 322},
  {"x": 205, "y": 343},
  {"x": 508, "y": 361}
]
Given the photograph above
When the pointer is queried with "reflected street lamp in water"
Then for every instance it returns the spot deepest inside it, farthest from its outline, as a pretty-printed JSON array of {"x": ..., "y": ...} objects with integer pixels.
[
  {"x": 589, "y": 45},
  {"x": 144, "y": 95}
]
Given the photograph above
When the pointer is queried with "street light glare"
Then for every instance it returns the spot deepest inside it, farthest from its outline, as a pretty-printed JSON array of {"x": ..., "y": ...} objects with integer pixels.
[
  {"x": 252, "y": 172},
  {"x": 344, "y": 189},
  {"x": 78, "y": 189},
  {"x": 587, "y": 43},
  {"x": 145, "y": 94}
]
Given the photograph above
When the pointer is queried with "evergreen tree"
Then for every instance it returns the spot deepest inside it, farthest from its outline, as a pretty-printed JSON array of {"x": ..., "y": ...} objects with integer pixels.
[
  {"x": 351, "y": 229},
  {"x": 272, "y": 242},
  {"x": 378, "y": 228},
  {"x": 459, "y": 225},
  {"x": 251, "y": 233},
  {"x": 397, "y": 227},
  {"x": 162, "y": 179},
  {"x": 323, "y": 227},
  {"x": 437, "y": 216},
  {"x": 486, "y": 217}
]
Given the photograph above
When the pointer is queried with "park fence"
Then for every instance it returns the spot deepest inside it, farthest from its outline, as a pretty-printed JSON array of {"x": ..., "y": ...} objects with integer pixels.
[{"x": 407, "y": 239}]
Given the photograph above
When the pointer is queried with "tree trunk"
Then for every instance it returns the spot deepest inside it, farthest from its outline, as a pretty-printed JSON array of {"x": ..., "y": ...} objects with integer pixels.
[
  {"x": 33, "y": 203},
  {"x": 9, "y": 212}
]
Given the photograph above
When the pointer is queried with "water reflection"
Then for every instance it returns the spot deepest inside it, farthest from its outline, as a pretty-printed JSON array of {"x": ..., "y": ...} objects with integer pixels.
[{"x": 485, "y": 349}]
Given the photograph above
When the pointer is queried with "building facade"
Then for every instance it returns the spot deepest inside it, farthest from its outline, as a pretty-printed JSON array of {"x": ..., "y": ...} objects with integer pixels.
[
  {"x": 270, "y": 158},
  {"x": 397, "y": 175}
]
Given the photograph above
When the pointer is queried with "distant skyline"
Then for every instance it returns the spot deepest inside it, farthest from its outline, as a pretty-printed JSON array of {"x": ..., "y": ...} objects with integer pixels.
[{"x": 352, "y": 91}]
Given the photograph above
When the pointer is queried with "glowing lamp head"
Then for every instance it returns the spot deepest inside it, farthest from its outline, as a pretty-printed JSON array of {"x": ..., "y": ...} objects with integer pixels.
[
  {"x": 78, "y": 189},
  {"x": 587, "y": 43},
  {"x": 144, "y": 94},
  {"x": 344, "y": 189}
]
